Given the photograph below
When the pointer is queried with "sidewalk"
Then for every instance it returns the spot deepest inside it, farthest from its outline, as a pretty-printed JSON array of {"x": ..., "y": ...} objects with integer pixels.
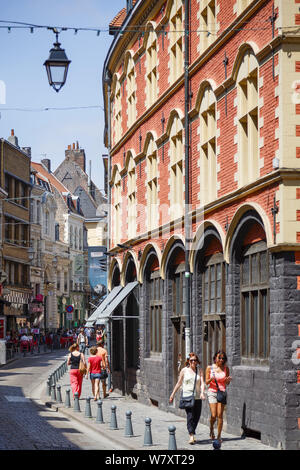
[{"x": 161, "y": 420}]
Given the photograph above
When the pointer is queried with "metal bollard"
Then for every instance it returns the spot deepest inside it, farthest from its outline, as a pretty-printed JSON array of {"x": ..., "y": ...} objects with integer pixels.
[
  {"x": 113, "y": 418},
  {"x": 53, "y": 392},
  {"x": 88, "y": 411},
  {"x": 67, "y": 400},
  {"x": 76, "y": 402},
  {"x": 128, "y": 425},
  {"x": 59, "y": 399},
  {"x": 148, "y": 434},
  {"x": 49, "y": 387},
  {"x": 53, "y": 378},
  {"x": 172, "y": 438},
  {"x": 99, "y": 418}
]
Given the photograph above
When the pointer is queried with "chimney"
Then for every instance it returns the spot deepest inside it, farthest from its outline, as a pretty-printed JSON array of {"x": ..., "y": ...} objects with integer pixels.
[
  {"x": 47, "y": 163},
  {"x": 12, "y": 139},
  {"x": 76, "y": 155}
]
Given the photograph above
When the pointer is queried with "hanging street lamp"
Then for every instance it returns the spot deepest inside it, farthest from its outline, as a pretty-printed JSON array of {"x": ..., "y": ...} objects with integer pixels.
[{"x": 57, "y": 65}]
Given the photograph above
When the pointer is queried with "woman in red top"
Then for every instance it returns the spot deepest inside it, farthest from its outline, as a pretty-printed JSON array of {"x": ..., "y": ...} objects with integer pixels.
[{"x": 94, "y": 368}]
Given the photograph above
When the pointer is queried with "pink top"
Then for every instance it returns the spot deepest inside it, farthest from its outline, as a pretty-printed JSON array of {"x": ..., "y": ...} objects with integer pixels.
[{"x": 220, "y": 377}]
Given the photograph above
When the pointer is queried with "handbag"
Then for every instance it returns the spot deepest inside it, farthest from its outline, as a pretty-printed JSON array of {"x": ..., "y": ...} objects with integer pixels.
[
  {"x": 103, "y": 374},
  {"x": 189, "y": 401},
  {"x": 221, "y": 396},
  {"x": 82, "y": 368}
]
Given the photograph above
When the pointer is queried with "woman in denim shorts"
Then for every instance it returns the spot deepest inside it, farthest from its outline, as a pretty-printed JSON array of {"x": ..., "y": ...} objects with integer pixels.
[
  {"x": 217, "y": 377},
  {"x": 94, "y": 368}
]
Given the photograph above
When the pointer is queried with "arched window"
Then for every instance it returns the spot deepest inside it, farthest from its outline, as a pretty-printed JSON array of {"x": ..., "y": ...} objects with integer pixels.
[
  {"x": 131, "y": 199},
  {"x": 176, "y": 169},
  {"x": 255, "y": 320},
  {"x": 211, "y": 273},
  {"x": 151, "y": 64},
  {"x": 176, "y": 40},
  {"x": 117, "y": 113},
  {"x": 131, "y": 93},
  {"x": 208, "y": 163},
  {"x": 117, "y": 194},
  {"x": 207, "y": 24},
  {"x": 152, "y": 189},
  {"x": 247, "y": 93}
]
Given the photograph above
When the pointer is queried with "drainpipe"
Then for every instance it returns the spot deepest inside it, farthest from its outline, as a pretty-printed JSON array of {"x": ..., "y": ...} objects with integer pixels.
[
  {"x": 188, "y": 343},
  {"x": 107, "y": 80}
]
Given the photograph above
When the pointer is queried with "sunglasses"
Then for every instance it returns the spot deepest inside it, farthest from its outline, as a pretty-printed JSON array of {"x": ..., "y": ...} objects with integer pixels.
[{"x": 193, "y": 360}]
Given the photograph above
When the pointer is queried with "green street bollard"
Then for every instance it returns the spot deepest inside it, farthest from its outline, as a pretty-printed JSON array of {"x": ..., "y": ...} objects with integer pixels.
[
  {"x": 88, "y": 411},
  {"x": 172, "y": 438},
  {"x": 148, "y": 434},
  {"x": 113, "y": 418},
  {"x": 76, "y": 402},
  {"x": 67, "y": 399},
  {"x": 99, "y": 418},
  {"x": 128, "y": 425},
  {"x": 53, "y": 392},
  {"x": 59, "y": 399}
]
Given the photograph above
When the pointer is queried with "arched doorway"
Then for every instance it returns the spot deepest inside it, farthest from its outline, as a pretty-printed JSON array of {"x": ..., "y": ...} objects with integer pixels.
[
  {"x": 175, "y": 285},
  {"x": 210, "y": 283},
  {"x": 132, "y": 330}
]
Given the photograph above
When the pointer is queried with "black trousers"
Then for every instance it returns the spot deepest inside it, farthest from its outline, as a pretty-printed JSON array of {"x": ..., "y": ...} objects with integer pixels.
[{"x": 193, "y": 416}]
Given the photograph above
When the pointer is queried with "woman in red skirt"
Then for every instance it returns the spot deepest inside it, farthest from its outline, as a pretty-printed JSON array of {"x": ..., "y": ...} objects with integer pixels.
[{"x": 75, "y": 375}]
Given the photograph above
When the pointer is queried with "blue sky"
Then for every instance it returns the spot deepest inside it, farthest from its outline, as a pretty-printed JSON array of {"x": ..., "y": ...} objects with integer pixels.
[{"x": 22, "y": 55}]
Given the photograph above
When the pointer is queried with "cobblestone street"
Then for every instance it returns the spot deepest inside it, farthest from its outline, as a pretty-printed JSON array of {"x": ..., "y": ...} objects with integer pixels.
[{"x": 33, "y": 421}]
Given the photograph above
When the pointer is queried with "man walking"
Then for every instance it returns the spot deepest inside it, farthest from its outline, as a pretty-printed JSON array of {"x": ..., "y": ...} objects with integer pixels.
[
  {"x": 82, "y": 341},
  {"x": 102, "y": 352}
]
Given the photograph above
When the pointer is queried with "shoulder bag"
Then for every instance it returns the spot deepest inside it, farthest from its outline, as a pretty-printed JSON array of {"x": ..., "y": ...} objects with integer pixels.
[
  {"x": 82, "y": 367},
  {"x": 221, "y": 396},
  {"x": 189, "y": 401}
]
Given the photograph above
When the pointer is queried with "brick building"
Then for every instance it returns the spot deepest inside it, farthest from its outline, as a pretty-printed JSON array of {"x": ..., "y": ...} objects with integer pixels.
[
  {"x": 15, "y": 232},
  {"x": 202, "y": 129}
]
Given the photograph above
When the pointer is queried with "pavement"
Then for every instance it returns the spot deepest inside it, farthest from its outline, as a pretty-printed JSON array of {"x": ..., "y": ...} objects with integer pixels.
[{"x": 157, "y": 436}]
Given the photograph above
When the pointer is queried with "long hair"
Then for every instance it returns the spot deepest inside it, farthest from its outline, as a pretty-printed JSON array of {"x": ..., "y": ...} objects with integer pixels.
[
  {"x": 221, "y": 353},
  {"x": 192, "y": 354}
]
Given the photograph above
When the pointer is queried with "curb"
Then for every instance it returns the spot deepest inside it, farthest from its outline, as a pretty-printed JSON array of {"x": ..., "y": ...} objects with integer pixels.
[{"x": 87, "y": 422}]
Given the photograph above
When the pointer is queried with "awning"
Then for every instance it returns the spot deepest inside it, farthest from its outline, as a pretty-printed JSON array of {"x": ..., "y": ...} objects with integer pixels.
[
  {"x": 91, "y": 320},
  {"x": 107, "y": 312}
]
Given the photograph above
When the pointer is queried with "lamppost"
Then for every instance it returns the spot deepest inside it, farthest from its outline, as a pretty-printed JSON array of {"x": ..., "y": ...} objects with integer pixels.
[{"x": 57, "y": 65}]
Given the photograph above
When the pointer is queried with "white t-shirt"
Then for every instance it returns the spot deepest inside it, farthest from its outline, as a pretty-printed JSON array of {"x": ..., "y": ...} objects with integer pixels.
[{"x": 188, "y": 383}]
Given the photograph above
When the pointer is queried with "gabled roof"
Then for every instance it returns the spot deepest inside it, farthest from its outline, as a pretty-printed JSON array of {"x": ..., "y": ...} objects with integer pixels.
[{"x": 55, "y": 183}]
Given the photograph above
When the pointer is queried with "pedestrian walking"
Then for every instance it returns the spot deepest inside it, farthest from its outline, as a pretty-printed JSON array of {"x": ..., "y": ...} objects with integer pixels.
[
  {"x": 217, "y": 378},
  {"x": 192, "y": 382},
  {"x": 88, "y": 333},
  {"x": 82, "y": 340},
  {"x": 102, "y": 352},
  {"x": 76, "y": 376},
  {"x": 94, "y": 368}
]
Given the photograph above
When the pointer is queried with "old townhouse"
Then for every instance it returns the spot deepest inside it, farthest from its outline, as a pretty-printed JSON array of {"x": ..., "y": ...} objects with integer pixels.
[
  {"x": 202, "y": 127},
  {"x": 15, "y": 233},
  {"x": 73, "y": 173},
  {"x": 64, "y": 255}
]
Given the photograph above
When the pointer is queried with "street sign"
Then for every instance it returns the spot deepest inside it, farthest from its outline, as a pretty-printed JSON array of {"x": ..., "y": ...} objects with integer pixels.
[
  {"x": 69, "y": 316},
  {"x": 69, "y": 308}
]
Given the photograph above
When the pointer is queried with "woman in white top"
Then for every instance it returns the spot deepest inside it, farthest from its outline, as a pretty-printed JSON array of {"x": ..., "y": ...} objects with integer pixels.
[{"x": 186, "y": 380}]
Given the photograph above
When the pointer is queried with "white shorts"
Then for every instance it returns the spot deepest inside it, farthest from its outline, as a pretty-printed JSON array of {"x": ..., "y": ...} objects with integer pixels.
[{"x": 212, "y": 396}]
